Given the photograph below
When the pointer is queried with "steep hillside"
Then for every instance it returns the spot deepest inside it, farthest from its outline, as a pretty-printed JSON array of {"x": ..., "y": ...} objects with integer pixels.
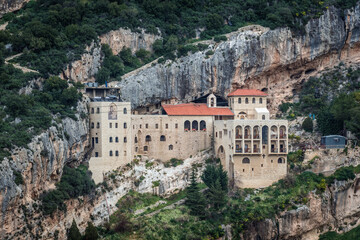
[
  {"x": 7, "y": 6},
  {"x": 274, "y": 60}
]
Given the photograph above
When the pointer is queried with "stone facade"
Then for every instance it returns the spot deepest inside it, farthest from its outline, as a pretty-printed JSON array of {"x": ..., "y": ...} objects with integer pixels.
[{"x": 252, "y": 148}]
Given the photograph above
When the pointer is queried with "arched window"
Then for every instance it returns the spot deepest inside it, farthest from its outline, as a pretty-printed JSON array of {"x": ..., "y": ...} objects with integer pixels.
[
  {"x": 116, "y": 153},
  {"x": 265, "y": 132},
  {"x": 116, "y": 139},
  {"x": 246, "y": 160},
  {"x": 171, "y": 147},
  {"x": 162, "y": 138},
  {"x": 256, "y": 131},
  {"x": 202, "y": 125},
  {"x": 253, "y": 101},
  {"x": 98, "y": 125},
  {"x": 125, "y": 125},
  {"x": 125, "y": 139},
  {"x": 125, "y": 111},
  {"x": 187, "y": 125},
  {"x": 136, "y": 140},
  {"x": 281, "y": 160},
  {"x": 239, "y": 100},
  {"x": 260, "y": 100},
  {"x": 212, "y": 102},
  {"x": 238, "y": 132},
  {"x": 195, "y": 126},
  {"x": 110, "y": 139},
  {"x": 263, "y": 117},
  {"x": 110, "y": 153},
  {"x": 147, "y": 138},
  {"x": 246, "y": 100},
  {"x": 92, "y": 125},
  {"x": 145, "y": 148}
]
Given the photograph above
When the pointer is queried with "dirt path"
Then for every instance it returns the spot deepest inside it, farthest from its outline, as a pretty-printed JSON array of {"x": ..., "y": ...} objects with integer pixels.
[{"x": 24, "y": 69}]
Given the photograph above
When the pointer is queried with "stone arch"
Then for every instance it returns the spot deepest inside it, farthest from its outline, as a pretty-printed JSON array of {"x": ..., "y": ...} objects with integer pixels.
[
  {"x": 171, "y": 147},
  {"x": 256, "y": 132},
  {"x": 274, "y": 132},
  {"x": 246, "y": 161},
  {"x": 148, "y": 138},
  {"x": 221, "y": 155},
  {"x": 238, "y": 132},
  {"x": 247, "y": 132},
  {"x": 281, "y": 160},
  {"x": 282, "y": 131}
]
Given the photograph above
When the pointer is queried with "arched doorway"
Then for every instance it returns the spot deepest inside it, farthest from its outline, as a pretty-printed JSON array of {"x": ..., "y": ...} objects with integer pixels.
[{"x": 221, "y": 155}]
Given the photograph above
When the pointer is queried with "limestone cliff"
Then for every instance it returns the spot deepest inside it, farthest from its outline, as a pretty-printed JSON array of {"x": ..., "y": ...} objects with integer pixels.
[
  {"x": 40, "y": 165},
  {"x": 84, "y": 69},
  {"x": 337, "y": 209},
  {"x": 11, "y": 5},
  {"x": 277, "y": 61}
]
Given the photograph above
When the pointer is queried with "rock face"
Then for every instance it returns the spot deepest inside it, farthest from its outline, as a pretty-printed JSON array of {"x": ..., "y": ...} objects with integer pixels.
[
  {"x": 121, "y": 38},
  {"x": 277, "y": 61},
  {"x": 41, "y": 166},
  {"x": 11, "y": 5},
  {"x": 85, "y": 69},
  {"x": 337, "y": 209}
]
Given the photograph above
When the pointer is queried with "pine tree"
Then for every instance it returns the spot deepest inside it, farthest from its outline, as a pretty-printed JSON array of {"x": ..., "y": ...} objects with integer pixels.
[
  {"x": 74, "y": 233},
  {"x": 90, "y": 232},
  {"x": 216, "y": 180},
  {"x": 307, "y": 125},
  {"x": 195, "y": 199}
]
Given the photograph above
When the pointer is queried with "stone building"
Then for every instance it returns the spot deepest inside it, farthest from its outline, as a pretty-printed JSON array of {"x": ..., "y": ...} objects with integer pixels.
[
  {"x": 251, "y": 147},
  {"x": 239, "y": 131}
]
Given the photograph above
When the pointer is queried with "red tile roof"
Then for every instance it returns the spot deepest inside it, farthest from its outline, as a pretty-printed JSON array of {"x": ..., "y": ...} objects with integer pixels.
[
  {"x": 196, "y": 109},
  {"x": 247, "y": 92}
]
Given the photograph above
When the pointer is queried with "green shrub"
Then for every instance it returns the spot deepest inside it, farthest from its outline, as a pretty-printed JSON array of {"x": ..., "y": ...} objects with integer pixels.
[
  {"x": 220, "y": 38},
  {"x": 307, "y": 125},
  {"x": 73, "y": 183}
]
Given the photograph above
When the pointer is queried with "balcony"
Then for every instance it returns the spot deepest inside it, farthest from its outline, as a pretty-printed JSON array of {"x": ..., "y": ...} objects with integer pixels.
[
  {"x": 238, "y": 136},
  {"x": 248, "y": 136},
  {"x": 283, "y": 136},
  {"x": 283, "y": 150}
]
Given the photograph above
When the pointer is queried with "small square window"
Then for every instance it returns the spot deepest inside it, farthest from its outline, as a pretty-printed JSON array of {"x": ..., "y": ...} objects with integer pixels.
[
  {"x": 116, "y": 125},
  {"x": 96, "y": 154},
  {"x": 166, "y": 126},
  {"x": 110, "y": 125},
  {"x": 176, "y": 125}
]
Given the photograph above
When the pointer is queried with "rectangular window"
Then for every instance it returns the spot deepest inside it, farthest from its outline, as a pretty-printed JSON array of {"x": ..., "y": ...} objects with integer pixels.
[
  {"x": 92, "y": 125},
  {"x": 136, "y": 149},
  {"x": 176, "y": 125},
  {"x": 92, "y": 110},
  {"x": 96, "y": 154},
  {"x": 110, "y": 125},
  {"x": 98, "y": 125},
  {"x": 140, "y": 126},
  {"x": 125, "y": 139},
  {"x": 110, "y": 139},
  {"x": 156, "y": 126},
  {"x": 96, "y": 140},
  {"x": 124, "y": 153},
  {"x": 125, "y": 125},
  {"x": 110, "y": 153},
  {"x": 239, "y": 100},
  {"x": 117, "y": 153},
  {"x": 146, "y": 125},
  {"x": 166, "y": 126},
  {"x": 116, "y": 139},
  {"x": 225, "y": 132},
  {"x": 97, "y": 110},
  {"x": 220, "y": 134},
  {"x": 147, "y": 109},
  {"x": 116, "y": 125}
]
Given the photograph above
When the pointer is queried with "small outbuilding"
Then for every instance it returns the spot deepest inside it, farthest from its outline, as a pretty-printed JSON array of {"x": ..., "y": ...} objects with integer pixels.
[{"x": 333, "y": 141}]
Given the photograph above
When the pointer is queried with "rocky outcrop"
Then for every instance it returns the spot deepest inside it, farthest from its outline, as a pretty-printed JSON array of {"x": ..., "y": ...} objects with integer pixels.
[
  {"x": 277, "y": 61},
  {"x": 11, "y": 5},
  {"x": 40, "y": 165},
  {"x": 121, "y": 38},
  {"x": 139, "y": 176},
  {"x": 337, "y": 209},
  {"x": 84, "y": 70}
]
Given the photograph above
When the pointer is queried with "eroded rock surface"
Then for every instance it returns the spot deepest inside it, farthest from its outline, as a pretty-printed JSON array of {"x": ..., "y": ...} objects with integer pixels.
[{"x": 11, "y": 5}]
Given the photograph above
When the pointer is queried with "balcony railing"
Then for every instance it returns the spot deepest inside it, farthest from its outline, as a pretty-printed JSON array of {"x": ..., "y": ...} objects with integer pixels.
[
  {"x": 283, "y": 150},
  {"x": 248, "y": 136},
  {"x": 282, "y": 136},
  {"x": 238, "y": 136},
  {"x": 257, "y": 136},
  {"x": 274, "y": 150},
  {"x": 239, "y": 150}
]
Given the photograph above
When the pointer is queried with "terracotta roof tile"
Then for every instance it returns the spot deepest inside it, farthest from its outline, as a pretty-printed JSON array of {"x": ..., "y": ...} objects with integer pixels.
[
  {"x": 247, "y": 92},
  {"x": 196, "y": 109}
]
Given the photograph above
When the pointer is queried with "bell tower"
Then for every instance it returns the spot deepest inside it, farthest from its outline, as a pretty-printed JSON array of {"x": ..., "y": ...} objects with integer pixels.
[{"x": 211, "y": 100}]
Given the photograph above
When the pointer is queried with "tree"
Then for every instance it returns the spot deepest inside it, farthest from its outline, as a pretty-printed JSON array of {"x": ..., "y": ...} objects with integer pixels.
[
  {"x": 91, "y": 232},
  {"x": 214, "y": 22},
  {"x": 74, "y": 233},
  {"x": 195, "y": 200},
  {"x": 307, "y": 125},
  {"x": 217, "y": 181}
]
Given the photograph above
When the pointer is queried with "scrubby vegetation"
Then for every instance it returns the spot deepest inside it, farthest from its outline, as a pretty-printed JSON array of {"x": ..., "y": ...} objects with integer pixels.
[
  {"x": 241, "y": 210},
  {"x": 351, "y": 235},
  {"x": 53, "y": 33},
  {"x": 333, "y": 98},
  {"x": 25, "y": 115},
  {"x": 74, "y": 183}
]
